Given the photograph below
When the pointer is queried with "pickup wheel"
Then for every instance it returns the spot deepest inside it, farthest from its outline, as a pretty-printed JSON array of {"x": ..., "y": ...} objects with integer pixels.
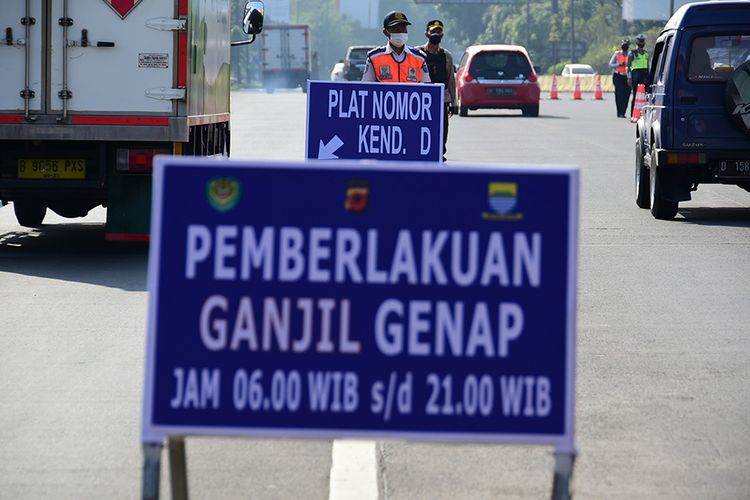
[
  {"x": 642, "y": 181},
  {"x": 661, "y": 208},
  {"x": 29, "y": 213}
]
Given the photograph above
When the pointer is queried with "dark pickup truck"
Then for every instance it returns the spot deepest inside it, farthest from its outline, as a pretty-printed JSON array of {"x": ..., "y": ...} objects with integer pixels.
[{"x": 695, "y": 125}]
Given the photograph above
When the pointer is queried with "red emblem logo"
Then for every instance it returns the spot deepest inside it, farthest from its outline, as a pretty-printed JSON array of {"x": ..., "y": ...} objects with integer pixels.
[
  {"x": 122, "y": 7},
  {"x": 357, "y": 196}
]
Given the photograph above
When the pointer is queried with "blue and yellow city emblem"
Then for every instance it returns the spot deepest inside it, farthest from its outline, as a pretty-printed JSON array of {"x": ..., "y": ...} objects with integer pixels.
[
  {"x": 502, "y": 198},
  {"x": 385, "y": 73},
  {"x": 412, "y": 75},
  {"x": 223, "y": 193}
]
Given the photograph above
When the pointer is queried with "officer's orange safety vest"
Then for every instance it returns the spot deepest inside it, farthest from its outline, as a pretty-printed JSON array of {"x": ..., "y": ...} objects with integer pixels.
[
  {"x": 387, "y": 69},
  {"x": 622, "y": 62}
]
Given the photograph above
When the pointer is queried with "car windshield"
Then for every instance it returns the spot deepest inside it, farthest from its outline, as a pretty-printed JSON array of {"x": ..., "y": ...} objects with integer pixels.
[
  {"x": 714, "y": 58},
  {"x": 583, "y": 71},
  {"x": 500, "y": 65},
  {"x": 359, "y": 54}
]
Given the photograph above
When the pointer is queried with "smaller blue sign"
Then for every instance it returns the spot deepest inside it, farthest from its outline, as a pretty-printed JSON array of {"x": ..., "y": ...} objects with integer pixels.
[{"x": 374, "y": 121}]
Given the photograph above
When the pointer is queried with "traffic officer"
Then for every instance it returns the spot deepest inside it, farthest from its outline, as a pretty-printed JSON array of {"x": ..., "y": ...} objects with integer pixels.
[
  {"x": 396, "y": 62},
  {"x": 440, "y": 66},
  {"x": 638, "y": 61},
  {"x": 619, "y": 65}
]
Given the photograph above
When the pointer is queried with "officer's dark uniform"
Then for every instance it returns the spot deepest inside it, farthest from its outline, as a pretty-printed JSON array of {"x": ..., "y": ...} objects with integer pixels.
[{"x": 440, "y": 66}]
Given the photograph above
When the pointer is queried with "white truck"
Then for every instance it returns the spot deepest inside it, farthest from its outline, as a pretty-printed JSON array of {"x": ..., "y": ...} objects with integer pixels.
[
  {"x": 286, "y": 56},
  {"x": 91, "y": 90}
]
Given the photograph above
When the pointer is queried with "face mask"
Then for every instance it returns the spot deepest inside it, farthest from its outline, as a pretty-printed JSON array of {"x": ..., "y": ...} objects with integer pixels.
[
  {"x": 399, "y": 39},
  {"x": 640, "y": 45},
  {"x": 435, "y": 38}
]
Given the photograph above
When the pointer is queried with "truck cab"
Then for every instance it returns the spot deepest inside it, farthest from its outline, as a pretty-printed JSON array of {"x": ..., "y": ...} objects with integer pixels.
[{"x": 695, "y": 125}]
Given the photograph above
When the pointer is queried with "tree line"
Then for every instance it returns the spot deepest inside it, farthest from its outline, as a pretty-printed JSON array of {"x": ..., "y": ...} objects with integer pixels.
[{"x": 554, "y": 32}]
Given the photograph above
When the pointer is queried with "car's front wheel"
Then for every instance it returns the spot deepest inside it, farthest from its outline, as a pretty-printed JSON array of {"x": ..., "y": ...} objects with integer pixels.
[
  {"x": 642, "y": 188},
  {"x": 661, "y": 207}
]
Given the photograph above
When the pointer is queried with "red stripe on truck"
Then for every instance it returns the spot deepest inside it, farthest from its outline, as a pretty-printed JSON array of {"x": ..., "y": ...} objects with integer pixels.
[
  {"x": 182, "y": 72},
  {"x": 182, "y": 47},
  {"x": 157, "y": 121},
  {"x": 11, "y": 118},
  {"x": 125, "y": 237}
]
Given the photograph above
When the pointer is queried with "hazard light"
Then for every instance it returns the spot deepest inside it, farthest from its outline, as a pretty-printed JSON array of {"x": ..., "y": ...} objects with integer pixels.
[
  {"x": 467, "y": 77},
  {"x": 686, "y": 158},
  {"x": 532, "y": 78},
  {"x": 138, "y": 160}
]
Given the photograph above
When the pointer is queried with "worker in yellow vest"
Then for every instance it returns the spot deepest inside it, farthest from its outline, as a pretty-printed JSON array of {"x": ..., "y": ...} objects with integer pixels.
[
  {"x": 619, "y": 65},
  {"x": 396, "y": 62},
  {"x": 638, "y": 62}
]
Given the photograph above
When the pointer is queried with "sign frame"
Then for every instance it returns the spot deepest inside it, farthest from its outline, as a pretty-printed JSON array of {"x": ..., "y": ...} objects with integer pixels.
[
  {"x": 563, "y": 443},
  {"x": 441, "y": 121}
]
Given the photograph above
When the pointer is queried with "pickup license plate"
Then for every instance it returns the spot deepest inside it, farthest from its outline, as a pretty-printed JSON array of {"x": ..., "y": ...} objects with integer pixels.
[
  {"x": 734, "y": 168},
  {"x": 500, "y": 91},
  {"x": 52, "y": 168}
]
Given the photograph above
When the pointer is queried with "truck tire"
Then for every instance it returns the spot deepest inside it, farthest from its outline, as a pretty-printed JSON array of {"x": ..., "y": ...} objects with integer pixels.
[
  {"x": 661, "y": 208},
  {"x": 642, "y": 181},
  {"x": 29, "y": 213}
]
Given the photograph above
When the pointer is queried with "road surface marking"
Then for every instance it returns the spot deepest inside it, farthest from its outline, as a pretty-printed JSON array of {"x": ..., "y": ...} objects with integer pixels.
[{"x": 354, "y": 470}]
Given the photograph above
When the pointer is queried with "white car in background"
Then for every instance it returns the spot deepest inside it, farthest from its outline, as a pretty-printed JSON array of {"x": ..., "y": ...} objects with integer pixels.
[
  {"x": 582, "y": 70},
  {"x": 337, "y": 73}
]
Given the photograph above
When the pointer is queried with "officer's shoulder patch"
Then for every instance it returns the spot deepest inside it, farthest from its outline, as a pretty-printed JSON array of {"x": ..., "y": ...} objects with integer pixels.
[
  {"x": 417, "y": 53},
  {"x": 376, "y": 51}
]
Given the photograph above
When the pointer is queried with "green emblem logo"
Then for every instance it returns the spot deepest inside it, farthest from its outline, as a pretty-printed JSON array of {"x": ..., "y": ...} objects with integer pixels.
[{"x": 223, "y": 193}]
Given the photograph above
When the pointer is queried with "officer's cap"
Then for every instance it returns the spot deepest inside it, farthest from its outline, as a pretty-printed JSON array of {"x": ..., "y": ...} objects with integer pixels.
[
  {"x": 435, "y": 24},
  {"x": 641, "y": 38},
  {"x": 394, "y": 18}
]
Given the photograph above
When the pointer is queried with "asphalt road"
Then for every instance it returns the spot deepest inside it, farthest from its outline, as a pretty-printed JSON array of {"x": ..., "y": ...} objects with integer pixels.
[{"x": 663, "y": 341}]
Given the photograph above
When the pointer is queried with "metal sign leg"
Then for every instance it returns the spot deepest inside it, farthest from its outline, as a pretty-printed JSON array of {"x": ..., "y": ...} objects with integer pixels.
[
  {"x": 563, "y": 476},
  {"x": 178, "y": 468},
  {"x": 151, "y": 471}
]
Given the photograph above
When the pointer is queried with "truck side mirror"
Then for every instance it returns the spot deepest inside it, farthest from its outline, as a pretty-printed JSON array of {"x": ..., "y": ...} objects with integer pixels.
[{"x": 252, "y": 21}]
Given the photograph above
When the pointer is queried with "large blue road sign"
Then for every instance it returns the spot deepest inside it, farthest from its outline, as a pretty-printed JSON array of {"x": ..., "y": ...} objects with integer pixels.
[
  {"x": 374, "y": 121},
  {"x": 350, "y": 299}
]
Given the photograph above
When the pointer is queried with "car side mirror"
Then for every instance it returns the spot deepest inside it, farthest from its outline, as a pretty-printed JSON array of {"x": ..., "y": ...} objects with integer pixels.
[{"x": 252, "y": 21}]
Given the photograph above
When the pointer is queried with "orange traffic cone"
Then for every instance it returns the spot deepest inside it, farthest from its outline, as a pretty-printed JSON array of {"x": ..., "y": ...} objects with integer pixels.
[
  {"x": 577, "y": 91},
  {"x": 640, "y": 100},
  {"x": 553, "y": 89},
  {"x": 598, "y": 95}
]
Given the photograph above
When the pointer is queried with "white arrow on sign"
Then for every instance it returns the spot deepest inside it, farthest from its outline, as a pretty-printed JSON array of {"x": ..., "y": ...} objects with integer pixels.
[{"x": 325, "y": 151}]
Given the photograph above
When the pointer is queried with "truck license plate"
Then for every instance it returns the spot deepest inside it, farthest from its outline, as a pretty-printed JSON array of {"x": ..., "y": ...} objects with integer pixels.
[
  {"x": 734, "y": 168},
  {"x": 51, "y": 168}
]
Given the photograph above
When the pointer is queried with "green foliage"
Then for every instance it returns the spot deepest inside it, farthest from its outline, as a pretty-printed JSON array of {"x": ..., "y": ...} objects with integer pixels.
[
  {"x": 598, "y": 24},
  {"x": 557, "y": 68}
]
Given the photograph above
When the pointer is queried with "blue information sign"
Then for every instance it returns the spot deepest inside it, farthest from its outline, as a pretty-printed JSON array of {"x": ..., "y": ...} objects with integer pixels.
[
  {"x": 374, "y": 121},
  {"x": 348, "y": 299}
]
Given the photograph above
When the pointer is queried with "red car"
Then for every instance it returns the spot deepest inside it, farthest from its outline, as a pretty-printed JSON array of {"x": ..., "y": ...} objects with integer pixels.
[{"x": 496, "y": 77}]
